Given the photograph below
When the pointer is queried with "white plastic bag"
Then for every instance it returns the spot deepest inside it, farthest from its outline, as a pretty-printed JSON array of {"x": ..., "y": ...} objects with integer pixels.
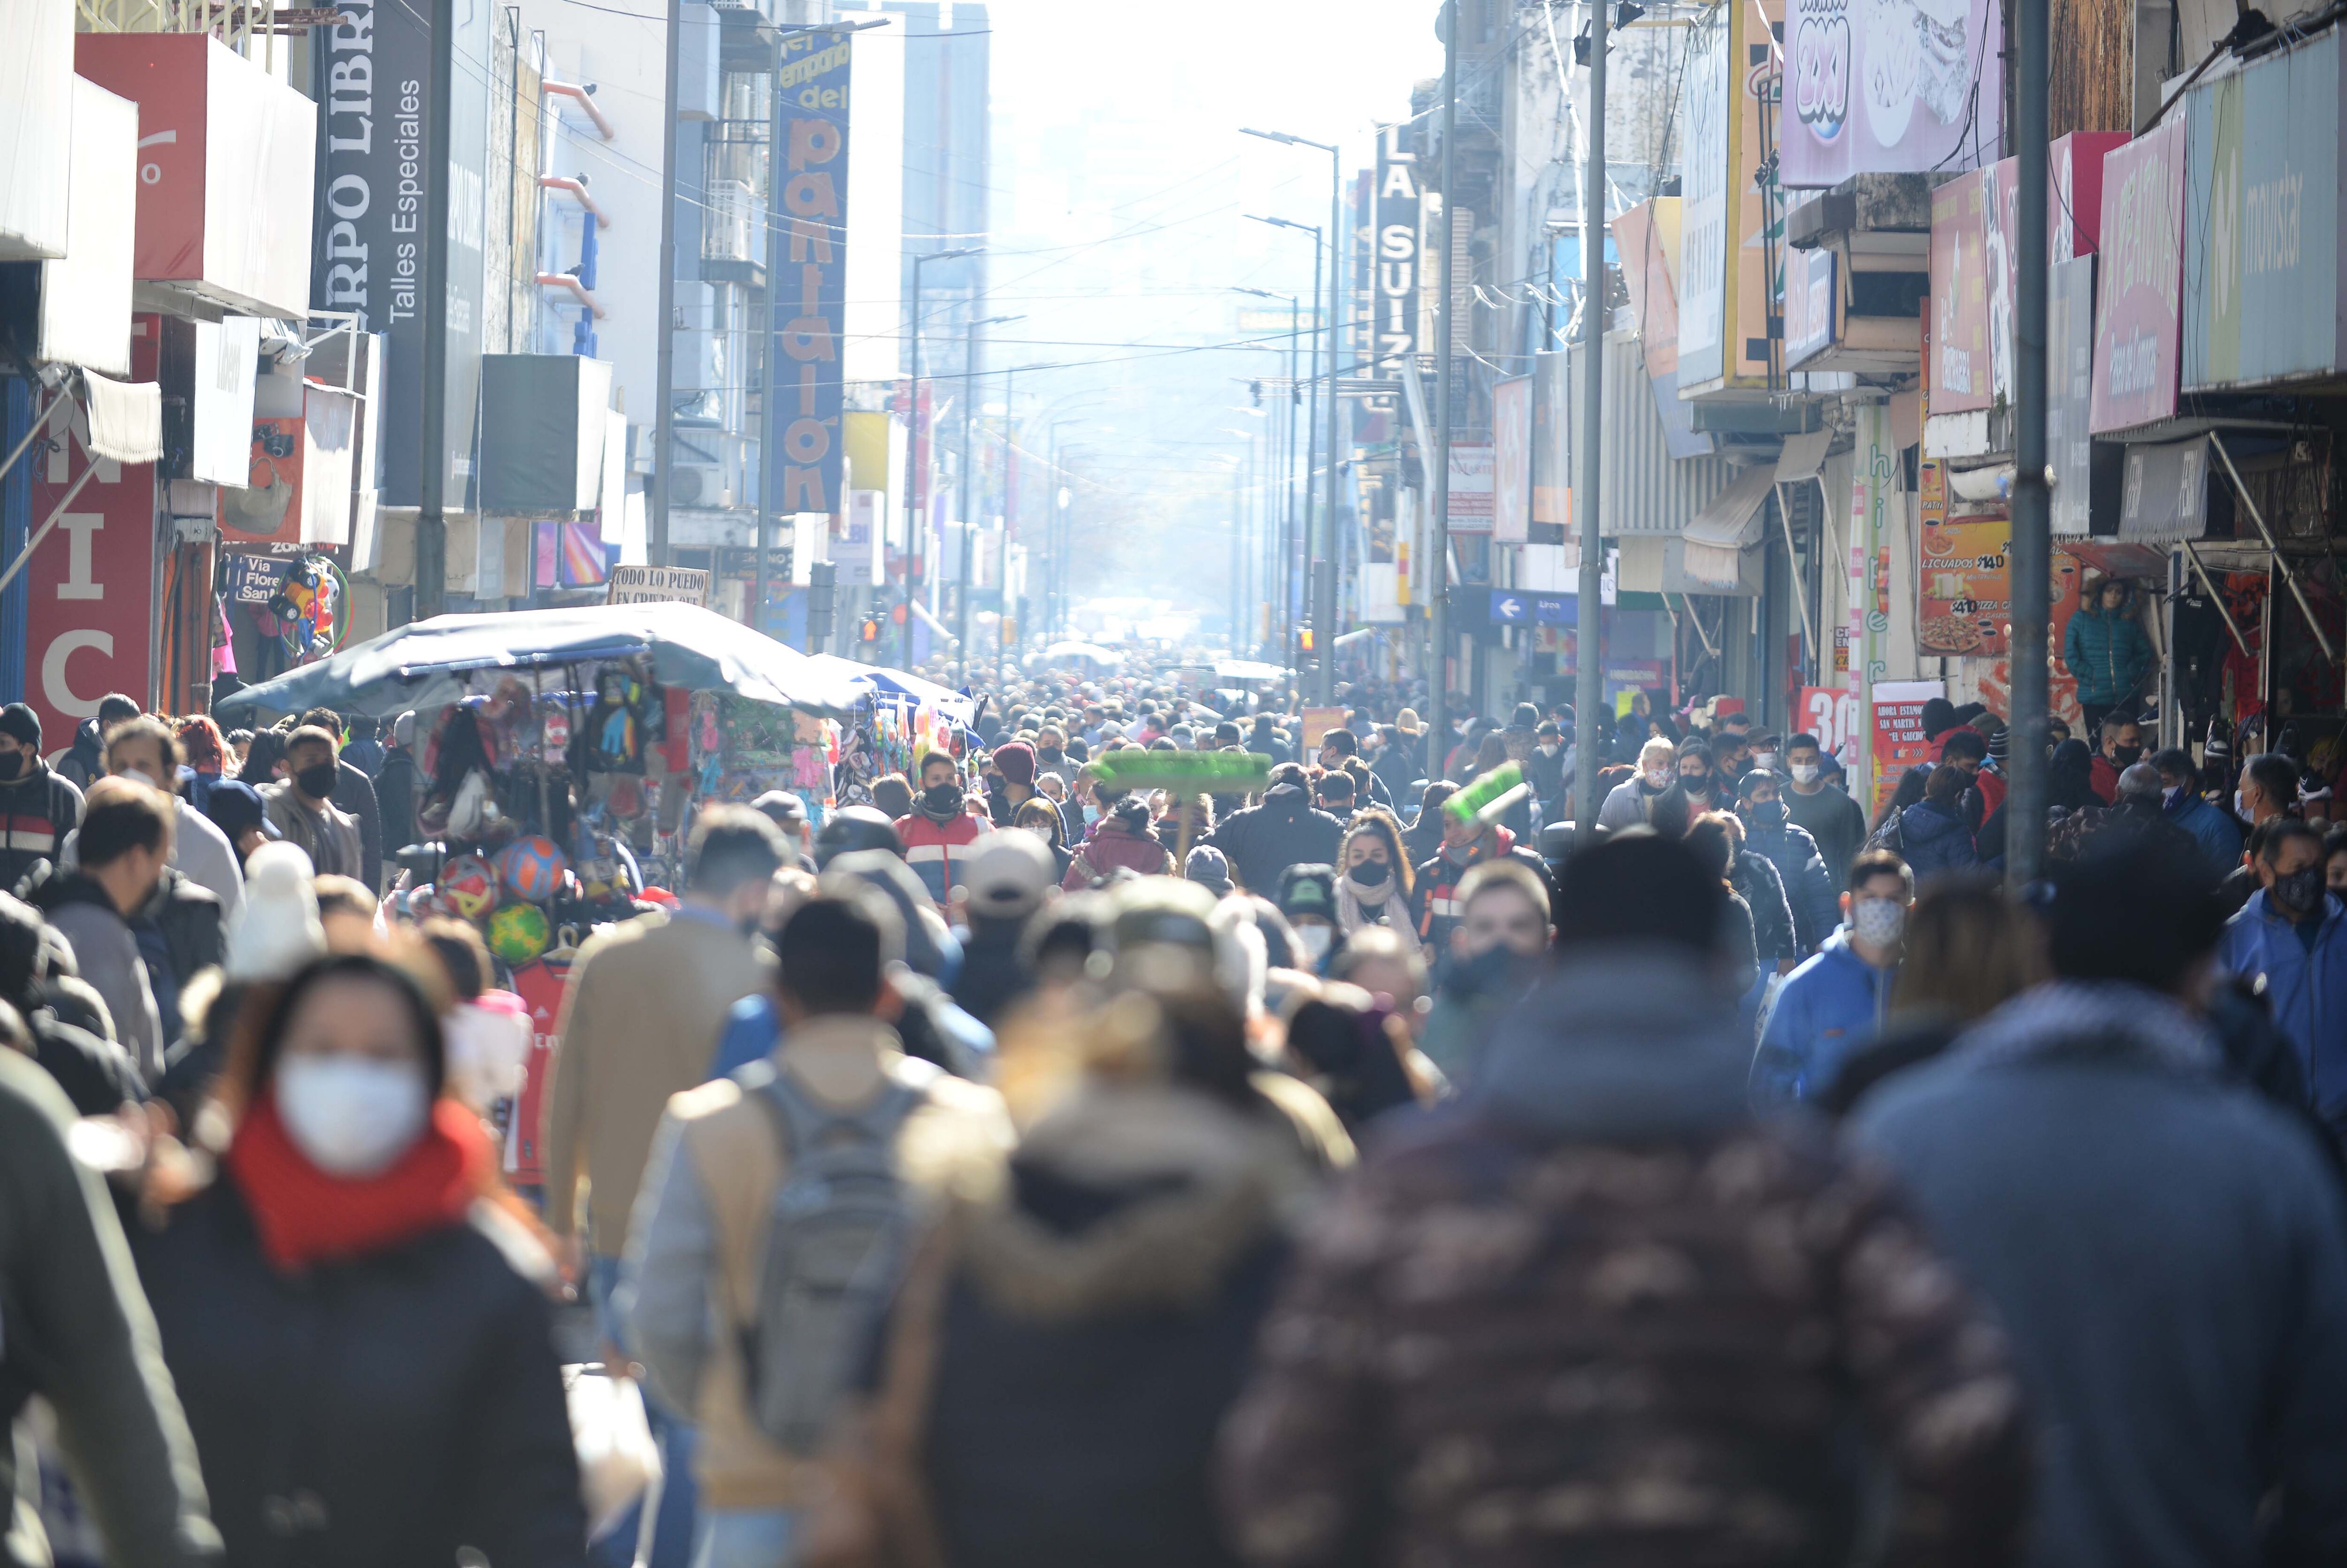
[{"x": 618, "y": 1459}]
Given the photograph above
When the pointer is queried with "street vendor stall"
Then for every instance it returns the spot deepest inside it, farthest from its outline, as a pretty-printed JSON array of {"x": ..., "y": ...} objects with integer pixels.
[
  {"x": 562, "y": 750},
  {"x": 898, "y": 717}
]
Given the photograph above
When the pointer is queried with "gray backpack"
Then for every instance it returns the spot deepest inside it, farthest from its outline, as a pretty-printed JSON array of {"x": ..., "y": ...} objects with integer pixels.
[{"x": 836, "y": 1240}]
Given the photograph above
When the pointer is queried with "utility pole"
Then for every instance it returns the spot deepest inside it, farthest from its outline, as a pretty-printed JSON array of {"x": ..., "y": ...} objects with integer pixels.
[
  {"x": 1324, "y": 566},
  {"x": 1438, "y": 728},
  {"x": 1589, "y": 611},
  {"x": 968, "y": 418},
  {"x": 432, "y": 522},
  {"x": 664, "y": 371},
  {"x": 2033, "y": 546},
  {"x": 1302, "y": 566},
  {"x": 913, "y": 448}
]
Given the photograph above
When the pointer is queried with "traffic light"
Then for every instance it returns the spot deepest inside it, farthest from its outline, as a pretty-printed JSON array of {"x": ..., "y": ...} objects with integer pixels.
[
  {"x": 870, "y": 630},
  {"x": 822, "y": 598}
]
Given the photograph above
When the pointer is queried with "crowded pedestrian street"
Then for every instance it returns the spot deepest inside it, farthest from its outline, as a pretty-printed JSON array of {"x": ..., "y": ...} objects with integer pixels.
[{"x": 1007, "y": 784}]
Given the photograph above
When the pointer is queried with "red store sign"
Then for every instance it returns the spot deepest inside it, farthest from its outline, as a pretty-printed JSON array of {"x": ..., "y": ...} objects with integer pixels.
[{"x": 90, "y": 613}]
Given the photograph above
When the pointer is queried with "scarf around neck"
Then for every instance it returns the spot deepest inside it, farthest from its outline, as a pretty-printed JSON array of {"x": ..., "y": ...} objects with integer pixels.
[{"x": 304, "y": 1216}]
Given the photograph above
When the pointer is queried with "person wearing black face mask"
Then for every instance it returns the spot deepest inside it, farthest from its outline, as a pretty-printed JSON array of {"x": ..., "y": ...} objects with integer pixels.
[
  {"x": 1695, "y": 774},
  {"x": 37, "y": 806},
  {"x": 938, "y": 831},
  {"x": 302, "y": 804}
]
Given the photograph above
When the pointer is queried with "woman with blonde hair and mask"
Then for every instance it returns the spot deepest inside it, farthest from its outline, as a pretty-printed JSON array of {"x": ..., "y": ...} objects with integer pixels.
[{"x": 1373, "y": 878}]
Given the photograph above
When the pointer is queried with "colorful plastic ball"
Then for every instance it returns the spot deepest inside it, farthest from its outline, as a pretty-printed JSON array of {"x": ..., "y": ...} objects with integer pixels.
[
  {"x": 519, "y": 933},
  {"x": 531, "y": 869},
  {"x": 468, "y": 886}
]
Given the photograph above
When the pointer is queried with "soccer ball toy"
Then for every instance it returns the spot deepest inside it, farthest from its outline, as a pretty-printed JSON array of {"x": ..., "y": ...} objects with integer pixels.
[
  {"x": 531, "y": 869},
  {"x": 468, "y": 886},
  {"x": 519, "y": 933}
]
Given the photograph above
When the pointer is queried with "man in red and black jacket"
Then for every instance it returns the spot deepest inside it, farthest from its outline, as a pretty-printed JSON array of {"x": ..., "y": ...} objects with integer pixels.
[
  {"x": 37, "y": 806},
  {"x": 938, "y": 831}
]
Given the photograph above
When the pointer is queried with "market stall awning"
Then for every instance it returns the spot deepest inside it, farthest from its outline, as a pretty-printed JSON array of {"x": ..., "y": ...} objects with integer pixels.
[
  {"x": 1248, "y": 670},
  {"x": 881, "y": 679},
  {"x": 428, "y": 662},
  {"x": 1716, "y": 536}
]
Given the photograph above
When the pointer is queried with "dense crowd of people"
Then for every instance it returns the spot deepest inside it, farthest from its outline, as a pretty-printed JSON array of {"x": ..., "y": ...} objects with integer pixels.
[{"x": 1004, "y": 1168}]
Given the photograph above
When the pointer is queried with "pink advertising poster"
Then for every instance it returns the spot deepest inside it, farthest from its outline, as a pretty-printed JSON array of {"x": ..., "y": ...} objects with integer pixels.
[
  {"x": 2137, "y": 313},
  {"x": 1889, "y": 86}
]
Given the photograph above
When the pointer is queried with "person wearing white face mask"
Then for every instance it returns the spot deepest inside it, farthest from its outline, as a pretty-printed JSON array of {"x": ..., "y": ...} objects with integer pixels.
[
  {"x": 1825, "y": 812},
  {"x": 369, "y": 1375},
  {"x": 1835, "y": 1002},
  {"x": 1631, "y": 802},
  {"x": 144, "y": 749}
]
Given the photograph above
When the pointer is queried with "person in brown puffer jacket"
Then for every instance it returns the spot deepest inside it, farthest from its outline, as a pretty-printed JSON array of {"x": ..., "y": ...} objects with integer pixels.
[
  {"x": 1120, "y": 841},
  {"x": 1597, "y": 1314}
]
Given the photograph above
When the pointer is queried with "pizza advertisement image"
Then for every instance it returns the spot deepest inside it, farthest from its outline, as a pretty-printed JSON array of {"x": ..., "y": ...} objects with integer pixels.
[{"x": 1963, "y": 576}]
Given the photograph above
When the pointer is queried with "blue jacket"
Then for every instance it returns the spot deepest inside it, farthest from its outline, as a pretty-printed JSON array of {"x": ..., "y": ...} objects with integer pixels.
[
  {"x": 2165, "y": 1251},
  {"x": 1826, "y": 1010},
  {"x": 1809, "y": 888},
  {"x": 1934, "y": 842},
  {"x": 2306, "y": 991},
  {"x": 2109, "y": 654},
  {"x": 754, "y": 1028},
  {"x": 2217, "y": 834}
]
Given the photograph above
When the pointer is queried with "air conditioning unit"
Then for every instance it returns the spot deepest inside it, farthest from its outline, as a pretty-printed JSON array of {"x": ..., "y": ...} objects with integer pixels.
[{"x": 699, "y": 485}]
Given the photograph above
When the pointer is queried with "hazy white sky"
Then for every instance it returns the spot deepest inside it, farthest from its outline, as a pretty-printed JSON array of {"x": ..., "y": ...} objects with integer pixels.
[{"x": 1121, "y": 181}]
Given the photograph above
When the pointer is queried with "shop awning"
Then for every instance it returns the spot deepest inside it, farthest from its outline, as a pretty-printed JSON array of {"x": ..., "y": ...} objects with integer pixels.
[
  {"x": 1803, "y": 456},
  {"x": 1718, "y": 535},
  {"x": 881, "y": 679},
  {"x": 449, "y": 657}
]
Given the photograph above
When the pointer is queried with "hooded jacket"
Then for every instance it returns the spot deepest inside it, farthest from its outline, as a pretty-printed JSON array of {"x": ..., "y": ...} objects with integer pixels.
[
  {"x": 1286, "y": 830},
  {"x": 1097, "y": 1322},
  {"x": 1120, "y": 841},
  {"x": 2167, "y": 1257},
  {"x": 1826, "y": 1009},
  {"x": 86, "y": 759},
  {"x": 1546, "y": 1324},
  {"x": 1933, "y": 841},
  {"x": 2306, "y": 991},
  {"x": 2108, "y": 653},
  {"x": 1810, "y": 890}
]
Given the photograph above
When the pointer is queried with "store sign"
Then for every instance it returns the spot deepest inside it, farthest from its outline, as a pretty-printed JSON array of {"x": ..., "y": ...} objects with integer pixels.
[
  {"x": 2262, "y": 287},
  {"x": 1512, "y": 608},
  {"x": 1898, "y": 728},
  {"x": 1811, "y": 302},
  {"x": 1511, "y": 460},
  {"x": 658, "y": 585},
  {"x": 2069, "y": 390},
  {"x": 1704, "y": 238},
  {"x": 1964, "y": 575},
  {"x": 1961, "y": 371},
  {"x": 1394, "y": 299},
  {"x": 371, "y": 244},
  {"x": 90, "y": 614},
  {"x": 2074, "y": 191},
  {"x": 1552, "y": 476},
  {"x": 2139, "y": 296},
  {"x": 1828, "y": 713},
  {"x": 2164, "y": 496},
  {"x": 1471, "y": 487},
  {"x": 1890, "y": 87},
  {"x": 1734, "y": 218},
  {"x": 811, "y": 277}
]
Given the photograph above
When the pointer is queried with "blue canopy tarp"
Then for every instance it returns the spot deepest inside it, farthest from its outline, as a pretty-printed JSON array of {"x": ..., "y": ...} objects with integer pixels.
[
  {"x": 430, "y": 662},
  {"x": 881, "y": 680}
]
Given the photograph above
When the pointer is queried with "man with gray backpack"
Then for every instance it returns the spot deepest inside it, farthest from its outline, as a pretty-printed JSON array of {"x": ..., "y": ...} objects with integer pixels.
[{"x": 776, "y": 1212}]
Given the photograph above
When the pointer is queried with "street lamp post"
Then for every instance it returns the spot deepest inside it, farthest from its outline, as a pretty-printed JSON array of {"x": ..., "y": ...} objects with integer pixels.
[
  {"x": 969, "y": 415},
  {"x": 1438, "y": 723},
  {"x": 1285, "y": 530},
  {"x": 1302, "y": 545},
  {"x": 913, "y": 439},
  {"x": 1324, "y": 579},
  {"x": 1055, "y": 575}
]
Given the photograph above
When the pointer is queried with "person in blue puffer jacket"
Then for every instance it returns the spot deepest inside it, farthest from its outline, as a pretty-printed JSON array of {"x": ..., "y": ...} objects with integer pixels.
[
  {"x": 2106, "y": 650},
  {"x": 2292, "y": 935},
  {"x": 1835, "y": 1003},
  {"x": 1933, "y": 831}
]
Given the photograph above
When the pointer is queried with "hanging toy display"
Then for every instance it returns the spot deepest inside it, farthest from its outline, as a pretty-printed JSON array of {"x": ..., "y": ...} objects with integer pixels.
[
  {"x": 531, "y": 869},
  {"x": 619, "y": 726},
  {"x": 468, "y": 886},
  {"x": 519, "y": 933},
  {"x": 310, "y": 607}
]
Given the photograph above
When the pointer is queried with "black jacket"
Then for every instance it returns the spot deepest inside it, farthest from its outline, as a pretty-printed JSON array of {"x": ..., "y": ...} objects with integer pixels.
[
  {"x": 380, "y": 1413},
  {"x": 180, "y": 932},
  {"x": 38, "y": 809},
  {"x": 992, "y": 975},
  {"x": 1286, "y": 830},
  {"x": 1773, "y": 933},
  {"x": 354, "y": 792},
  {"x": 397, "y": 790}
]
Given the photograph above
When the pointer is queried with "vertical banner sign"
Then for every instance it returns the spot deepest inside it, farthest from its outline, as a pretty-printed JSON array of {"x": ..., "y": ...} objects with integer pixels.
[
  {"x": 1704, "y": 237},
  {"x": 2139, "y": 305},
  {"x": 1899, "y": 742},
  {"x": 1959, "y": 382},
  {"x": 90, "y": 614},
  {"x": 1964, "y": 575},
  {"x": 2069, "y": 387},
  {"x": 1511, "y": 460},
  {"x": 1874, "y": 492},
  {"x": 368, "y": 253},
  {"x": 1396, "y": 288},
  {"x": 810, "y": 280}
]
